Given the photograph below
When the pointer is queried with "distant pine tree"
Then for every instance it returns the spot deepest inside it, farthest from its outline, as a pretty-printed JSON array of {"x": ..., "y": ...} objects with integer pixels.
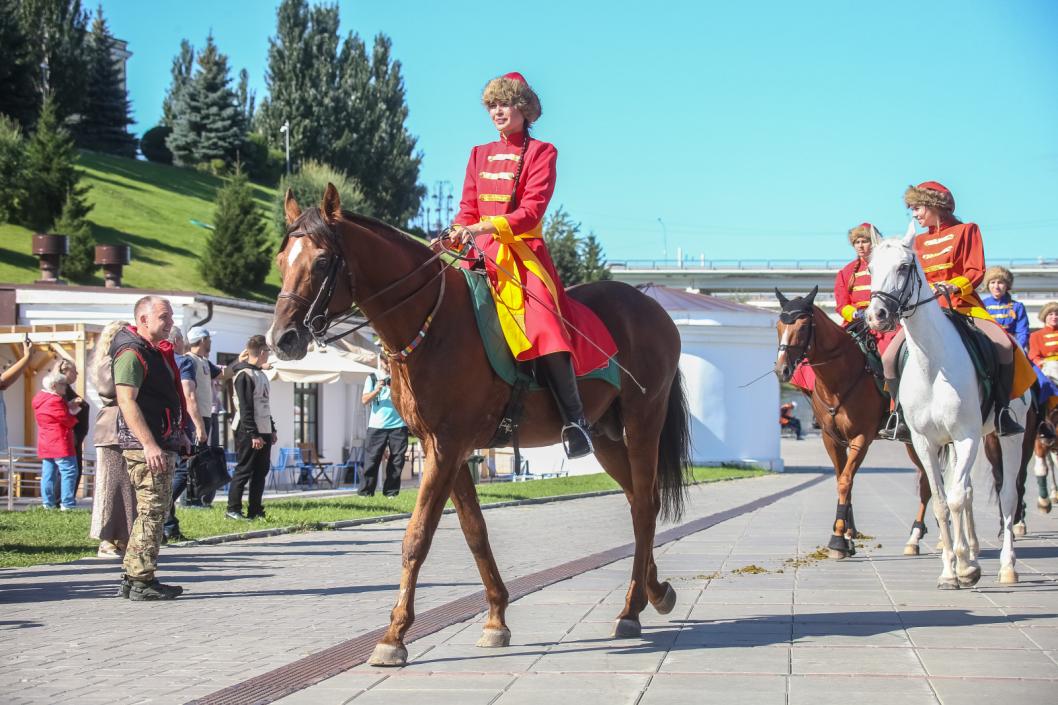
[
  {"x": 593, "y": 266},
  {"x": 12, "y": 169},
  {"x": 181, "y": 71},
  {"x": 209, "y": 123},
  {"x": 105, "y": 115},
  {"x": 49, "y": 168},
  {"x": 236, "y": 260},
  {"x": 561, "y": 236},
  {"x": 79, "y": 264},
  {"x": 19, "y": 98},
  {"x": 57, "y": 32}
]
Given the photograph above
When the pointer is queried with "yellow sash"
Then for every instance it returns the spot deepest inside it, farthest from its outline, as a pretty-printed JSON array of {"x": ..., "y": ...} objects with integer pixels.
[{"x": 508, "y": 293}]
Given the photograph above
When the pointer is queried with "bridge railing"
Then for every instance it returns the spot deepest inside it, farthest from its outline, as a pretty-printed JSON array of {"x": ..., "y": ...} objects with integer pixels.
[{"x": 701, "y": 263}]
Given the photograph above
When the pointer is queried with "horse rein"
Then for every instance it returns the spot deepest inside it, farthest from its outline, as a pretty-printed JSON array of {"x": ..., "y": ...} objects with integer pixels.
[{"x": 910, "y": 289}]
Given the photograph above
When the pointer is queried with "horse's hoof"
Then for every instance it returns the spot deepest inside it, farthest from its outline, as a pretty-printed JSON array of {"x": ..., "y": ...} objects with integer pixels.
[
  {"x": 1008, "y": 576},
  {"x": 911, "y": 549},
  {"x": 970, "y": 579},
  {"x": 388, "y": 656},
  {"x": 667, "y": 601},
  {"x": 839, "y": 547},
  {"x": 1044, "y": 504},
  {"x": 1019, "y": 529},
  {"x": 836, "y": 555},
  {"x": 947, "y": 584},
  {"x": 627, "y": 629},
  {"x": 494, "y": 638},
  {"x": 1054, "y": 495}
]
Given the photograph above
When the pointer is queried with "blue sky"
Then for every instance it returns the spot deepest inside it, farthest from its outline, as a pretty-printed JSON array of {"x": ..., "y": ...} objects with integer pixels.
[{"x": 760, "y": 130}]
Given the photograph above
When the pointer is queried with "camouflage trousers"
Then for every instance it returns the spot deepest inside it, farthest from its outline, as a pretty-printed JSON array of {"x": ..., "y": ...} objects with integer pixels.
[{"x": 153, "y": 494}]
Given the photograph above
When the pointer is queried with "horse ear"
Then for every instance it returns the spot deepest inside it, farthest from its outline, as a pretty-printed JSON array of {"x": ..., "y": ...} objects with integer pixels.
[
  {"x": 812, "y": 295},
  {"x": 331, "y": 206},
  {"x": 876, "y": 236},
  {"x": 782, "y": 299},
  {"x": 909, "y": 236},
  {"x": 290, "y": 207}
]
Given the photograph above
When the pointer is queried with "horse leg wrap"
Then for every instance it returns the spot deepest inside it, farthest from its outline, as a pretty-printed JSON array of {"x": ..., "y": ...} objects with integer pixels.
[
  {"x": 921, "y": 526},
  {"x": 1041, "y": 483},
  {"x": 844, "y": 514}
]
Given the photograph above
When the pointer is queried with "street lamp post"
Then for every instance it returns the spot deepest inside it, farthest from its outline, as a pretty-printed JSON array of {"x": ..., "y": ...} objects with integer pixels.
[
  {"x": 285, "y": 129},
  {"x": 664, "y": 239}
]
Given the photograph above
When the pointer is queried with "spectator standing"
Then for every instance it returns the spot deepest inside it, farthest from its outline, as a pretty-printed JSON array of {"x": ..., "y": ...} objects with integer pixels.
[
  {"x": 199, "y": 393},
  {"x": 56, "y": 419},
  {"x": 385, "y": 428},
  {"x": 255, "y": 431},
  {"x": 186, "y": 370},
  {"x": 69, "y": 370},
  {"x": 150, "y": 433},
  {"x": 7, "y": 378},
  {"x": 113, "y": 501}
]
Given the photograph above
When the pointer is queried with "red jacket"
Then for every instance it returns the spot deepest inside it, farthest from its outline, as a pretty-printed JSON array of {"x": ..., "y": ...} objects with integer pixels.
[
  {"x": 954, "y": 254},
  {"x": 54, "y": 426},
  {"x": 852, "y": 289},
  {"x": 1043, "y": 345}
]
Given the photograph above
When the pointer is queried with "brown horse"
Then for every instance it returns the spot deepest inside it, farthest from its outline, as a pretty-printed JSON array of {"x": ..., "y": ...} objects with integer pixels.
[
  {"x": 846, "y": 403},
  {"x": 447, "y": 392}
]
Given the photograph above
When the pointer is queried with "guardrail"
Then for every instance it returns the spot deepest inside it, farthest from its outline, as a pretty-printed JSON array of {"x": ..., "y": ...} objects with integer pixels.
[
  {"x": 20, "y": 469},
  {"x": 700, "y": 263}
]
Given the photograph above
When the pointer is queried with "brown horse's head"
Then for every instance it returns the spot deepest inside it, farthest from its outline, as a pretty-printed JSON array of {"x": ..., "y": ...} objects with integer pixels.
[
  {"x": 314, "y": 274},
  {"x": 795, "y": 332}
]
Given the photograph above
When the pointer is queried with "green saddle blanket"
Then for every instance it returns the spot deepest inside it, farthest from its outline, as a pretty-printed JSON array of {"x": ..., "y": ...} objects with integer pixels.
[{"x": 496, "y": 348}]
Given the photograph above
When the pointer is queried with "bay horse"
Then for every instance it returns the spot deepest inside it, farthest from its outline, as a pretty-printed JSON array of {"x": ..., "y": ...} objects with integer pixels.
[
  {"x": 846, "y": 404},
  {"x": 941, "y": 398},
  {"x": 445, "y": 389}
]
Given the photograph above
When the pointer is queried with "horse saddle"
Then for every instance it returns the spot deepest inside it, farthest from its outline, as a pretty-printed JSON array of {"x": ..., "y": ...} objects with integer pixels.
[
  {"x": 982, "y": 354},
  {"x": 517, "y": 374}
]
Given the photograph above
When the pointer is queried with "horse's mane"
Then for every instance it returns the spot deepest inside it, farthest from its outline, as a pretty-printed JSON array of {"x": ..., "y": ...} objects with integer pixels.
[{"x": 312, "y": 225}]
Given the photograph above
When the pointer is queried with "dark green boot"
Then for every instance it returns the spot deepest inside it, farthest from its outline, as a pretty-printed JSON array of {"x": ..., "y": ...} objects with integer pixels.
[{"x": 149, "y": 590}]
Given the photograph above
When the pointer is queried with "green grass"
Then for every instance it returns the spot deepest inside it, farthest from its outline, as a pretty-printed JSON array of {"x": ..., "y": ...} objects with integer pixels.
[
  {"x": 39, "y": 536},
  {"x": 148, "y": 206}
]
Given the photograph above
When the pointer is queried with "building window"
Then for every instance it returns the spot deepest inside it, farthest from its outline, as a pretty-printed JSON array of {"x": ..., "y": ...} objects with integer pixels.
[{"x": 306, "y": 413}]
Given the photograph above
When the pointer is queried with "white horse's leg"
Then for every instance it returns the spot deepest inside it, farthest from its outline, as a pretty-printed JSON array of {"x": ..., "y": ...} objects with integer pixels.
[
  {"x": 1008, "y": 498},
  {"x": 928, "y": 455},
  {"x": 973, "y": 546},
  {"x": 959, "y": 494}
]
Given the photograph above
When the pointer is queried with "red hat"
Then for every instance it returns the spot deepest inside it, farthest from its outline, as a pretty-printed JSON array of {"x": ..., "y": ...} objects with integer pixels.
[
  {"x": 931, "y": 194},
  {"x": 515, "y": 76}
]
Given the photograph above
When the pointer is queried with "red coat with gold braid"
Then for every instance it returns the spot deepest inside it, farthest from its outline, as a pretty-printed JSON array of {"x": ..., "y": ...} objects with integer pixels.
[
  {"x": 1043, "y": 345},
  {"x": 517, "y": 257}
]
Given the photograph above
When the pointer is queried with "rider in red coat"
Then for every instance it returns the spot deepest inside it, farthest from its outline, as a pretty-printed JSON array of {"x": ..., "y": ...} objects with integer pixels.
[
  {"x": 852, "y": 286},
  {"x": 508, "y": 186},
  {"x": 952, "y": 256}
]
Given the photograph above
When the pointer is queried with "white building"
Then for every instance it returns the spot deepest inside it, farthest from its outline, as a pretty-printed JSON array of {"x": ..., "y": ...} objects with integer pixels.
[
  {"x": 320, "y": 406},
  {"x": 725, "y": 346}
]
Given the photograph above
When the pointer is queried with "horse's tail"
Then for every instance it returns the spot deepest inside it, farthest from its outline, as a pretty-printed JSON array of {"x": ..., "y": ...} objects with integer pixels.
[{"x": 674, "y": 452}]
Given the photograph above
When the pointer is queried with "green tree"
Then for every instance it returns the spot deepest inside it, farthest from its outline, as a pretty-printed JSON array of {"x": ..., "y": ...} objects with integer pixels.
[
  {"x": 19, "y": 98},
  {"x": 57, "y": 32},
  {"x": 182, "y": 69},
  {"x": 245, "y": 98},
  {"x": 308, "y": 185},
  {"x": 49, "y": 168},
  {"x": 562, "y": 236},
  {"x": 79, "y": 263},
  {"x": 208, "y": 125},
  {"x": 236, "y": 259},
  {"x": 105, "y": 116},
  {"x": 12, "y": 169},
  {"x": 593, "y": 266},
  {"x": 344, "y": 108}
]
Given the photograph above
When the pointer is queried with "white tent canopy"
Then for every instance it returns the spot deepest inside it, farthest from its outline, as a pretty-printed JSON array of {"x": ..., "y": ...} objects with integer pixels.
[{"x": 333, "y": 364}]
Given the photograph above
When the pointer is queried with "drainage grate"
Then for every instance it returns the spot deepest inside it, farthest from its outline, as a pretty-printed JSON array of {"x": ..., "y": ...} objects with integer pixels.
[{"x": 278, "y": 683}]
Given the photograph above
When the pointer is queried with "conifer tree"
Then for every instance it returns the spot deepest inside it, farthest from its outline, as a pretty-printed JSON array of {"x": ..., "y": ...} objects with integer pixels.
[
  {"x": 245, "y": 98},
  {"x": 593, "y": 266},
  {"x": 12, "y": 171},
  {"x": 19, "y": 98},
  {"x": 79, "y": 263},
  {"x": 182, "y": 69},
  {"x": 49, "y": 167},
  {"x": 105, "y": 115},
  {"x": 208, "y": 122},
  {"x": 235, "y": 259},
  {"x": 57, "y": 32},
  {"x": 561, "y": 236}
]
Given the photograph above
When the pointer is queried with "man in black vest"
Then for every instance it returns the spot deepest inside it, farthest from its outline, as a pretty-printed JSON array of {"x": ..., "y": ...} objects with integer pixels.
[{"x": 150, "y": 433}]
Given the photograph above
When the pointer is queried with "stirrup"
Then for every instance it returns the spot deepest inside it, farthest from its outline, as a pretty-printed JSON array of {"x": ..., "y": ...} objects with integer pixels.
[
  {"x": 1006, "y": 424},
  {"x": 888, "y": 431},
  {"x": 576, "y": 441}
]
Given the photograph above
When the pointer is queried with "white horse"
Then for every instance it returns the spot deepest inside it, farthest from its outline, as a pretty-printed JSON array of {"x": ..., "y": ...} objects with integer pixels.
[{"x": 941, "y": 401}]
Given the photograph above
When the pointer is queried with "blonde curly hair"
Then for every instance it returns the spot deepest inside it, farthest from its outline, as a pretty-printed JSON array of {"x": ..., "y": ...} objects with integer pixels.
[{"x": 515, "y": 91}]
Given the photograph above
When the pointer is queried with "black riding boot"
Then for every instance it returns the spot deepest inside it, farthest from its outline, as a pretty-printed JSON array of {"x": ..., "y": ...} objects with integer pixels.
[
  {"x": 895, "y": 429},
  {"x": 1006, "y": 424},
  {"x": 557, "y": 369}
]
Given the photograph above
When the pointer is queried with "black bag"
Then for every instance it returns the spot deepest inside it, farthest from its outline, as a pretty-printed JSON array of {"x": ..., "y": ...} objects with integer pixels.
[{"x": 208, "y": 470}]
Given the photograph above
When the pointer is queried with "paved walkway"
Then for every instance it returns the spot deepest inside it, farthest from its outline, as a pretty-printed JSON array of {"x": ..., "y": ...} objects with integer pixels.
[{"x": 866, "y": 630}]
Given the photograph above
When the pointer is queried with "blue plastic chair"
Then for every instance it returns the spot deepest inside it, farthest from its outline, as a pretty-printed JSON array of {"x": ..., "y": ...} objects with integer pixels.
[{"x": 288, "y": 462}]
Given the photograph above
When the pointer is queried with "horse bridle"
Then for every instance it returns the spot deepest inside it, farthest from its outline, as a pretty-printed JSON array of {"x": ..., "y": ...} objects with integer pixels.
[
  {"x": 910, "y": 289},
  {"x": 789, "y": 318},
  {"x": 317, "y": 320}
]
